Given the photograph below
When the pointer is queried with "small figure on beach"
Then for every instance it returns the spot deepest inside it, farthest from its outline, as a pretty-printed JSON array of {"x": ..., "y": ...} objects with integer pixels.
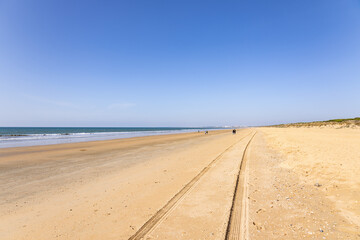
[
  {"x": 234, "y": 131},
  {"x": 206, "y": 132}
]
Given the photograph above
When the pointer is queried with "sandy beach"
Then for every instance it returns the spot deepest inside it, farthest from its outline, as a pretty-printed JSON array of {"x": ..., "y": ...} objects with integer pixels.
[{"x": 261, "y": 183}]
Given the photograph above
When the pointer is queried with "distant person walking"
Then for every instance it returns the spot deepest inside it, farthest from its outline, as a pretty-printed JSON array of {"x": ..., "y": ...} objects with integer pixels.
[{"x": 234, "y": 131}]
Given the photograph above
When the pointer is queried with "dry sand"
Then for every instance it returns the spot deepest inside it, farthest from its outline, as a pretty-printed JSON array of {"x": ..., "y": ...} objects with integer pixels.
[
  {"x": 296, "y": 184},
  {"x": 305, "y": 183}
]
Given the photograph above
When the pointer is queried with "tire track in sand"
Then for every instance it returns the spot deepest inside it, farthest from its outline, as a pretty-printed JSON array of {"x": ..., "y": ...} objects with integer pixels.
[
  {"x": 164, "y": 211},
  {"x": 237, "y": 227}
]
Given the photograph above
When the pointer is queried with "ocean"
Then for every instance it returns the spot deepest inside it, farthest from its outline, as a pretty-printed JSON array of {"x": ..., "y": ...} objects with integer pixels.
[{"x": 31, "y": 136}]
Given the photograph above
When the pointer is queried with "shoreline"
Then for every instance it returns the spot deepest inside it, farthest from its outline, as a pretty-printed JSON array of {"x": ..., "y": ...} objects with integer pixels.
[
  {"x": 104, "y": 145},
  {"x": 91, "y": 137}
]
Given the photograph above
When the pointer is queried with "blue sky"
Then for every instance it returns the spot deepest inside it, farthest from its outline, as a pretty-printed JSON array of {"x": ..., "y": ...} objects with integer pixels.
[{"x": 178, "y": 63}]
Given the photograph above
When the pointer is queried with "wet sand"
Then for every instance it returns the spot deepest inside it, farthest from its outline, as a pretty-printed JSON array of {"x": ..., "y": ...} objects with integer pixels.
[{"x": 296, "y": 184}]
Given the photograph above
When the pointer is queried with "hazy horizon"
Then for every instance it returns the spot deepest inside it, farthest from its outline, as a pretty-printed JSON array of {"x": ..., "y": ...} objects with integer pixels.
[{"x": 178, "y": 63}]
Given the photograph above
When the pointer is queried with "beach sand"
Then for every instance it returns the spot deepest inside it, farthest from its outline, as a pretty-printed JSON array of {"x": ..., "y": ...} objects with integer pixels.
[
  {"x": 305, "y": 184},
  {"x": 295, "y": 183}
]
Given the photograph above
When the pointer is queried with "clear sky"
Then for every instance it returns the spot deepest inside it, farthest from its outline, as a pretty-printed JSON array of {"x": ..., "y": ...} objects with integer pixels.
[{"x": 178, "y": 63}]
